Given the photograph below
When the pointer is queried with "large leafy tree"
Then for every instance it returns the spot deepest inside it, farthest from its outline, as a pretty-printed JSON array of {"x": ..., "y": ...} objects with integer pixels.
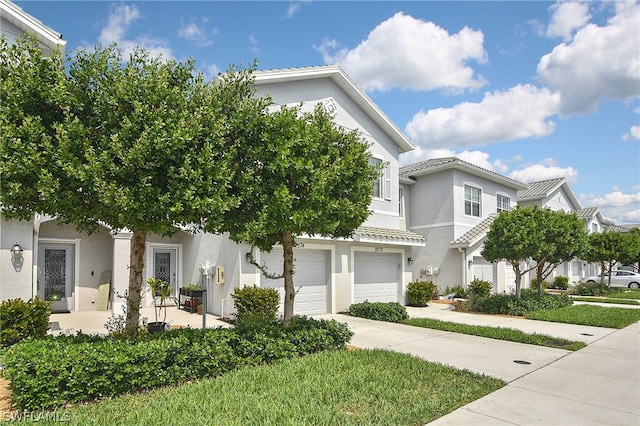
[
  {"x": 531, "y": 238},
  {"x": 631, "y": 255},
  {"x": 138, "y": 143},
  {"x": 297, "y": 173}
]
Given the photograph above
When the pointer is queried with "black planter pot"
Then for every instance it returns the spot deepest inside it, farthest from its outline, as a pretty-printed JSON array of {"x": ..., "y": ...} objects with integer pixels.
[{"x": 155, "y": 327}]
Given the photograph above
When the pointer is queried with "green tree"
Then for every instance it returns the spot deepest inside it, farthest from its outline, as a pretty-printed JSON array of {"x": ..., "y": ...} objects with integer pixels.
[
  {"x": 138, "y": 145},
  {"x": 631, "y": 254},
  {"x": 606, "y": 248},
  {"x": 531, "y": 238},
  {"x": 296, "y": 174}
]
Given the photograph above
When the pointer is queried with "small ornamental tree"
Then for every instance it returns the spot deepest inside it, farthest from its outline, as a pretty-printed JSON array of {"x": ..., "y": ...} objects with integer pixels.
[
  {"x": 631, "y": 254},
  {"x": 545, "y": 237},
  {"x": 137, "y": 143},
  {"x": 605, "y": 248},
  {"x": 296, "y": 173}
]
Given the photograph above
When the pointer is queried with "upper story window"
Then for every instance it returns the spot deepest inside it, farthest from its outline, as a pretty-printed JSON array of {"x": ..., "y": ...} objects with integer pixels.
[
  {"x": 382, "y": 184},
  {"x": 504, "y": 203},
  {"x": 472, "y": 197}
]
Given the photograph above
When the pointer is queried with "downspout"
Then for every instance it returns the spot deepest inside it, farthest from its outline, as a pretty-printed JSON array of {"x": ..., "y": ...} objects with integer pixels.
[{"x": 465, "y": 272}]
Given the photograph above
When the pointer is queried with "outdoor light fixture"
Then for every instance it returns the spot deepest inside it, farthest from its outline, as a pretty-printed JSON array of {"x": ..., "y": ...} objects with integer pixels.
[
  {"x": 248, "y": 256},
  {"x": 16, "y": 252},
  {"x": 410, "y": 260}
]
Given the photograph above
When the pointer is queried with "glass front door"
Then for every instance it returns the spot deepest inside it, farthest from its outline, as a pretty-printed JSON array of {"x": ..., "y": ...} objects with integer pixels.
[
  {"x": 56, "y": 275},
  {"x": 165, "y": 267}
]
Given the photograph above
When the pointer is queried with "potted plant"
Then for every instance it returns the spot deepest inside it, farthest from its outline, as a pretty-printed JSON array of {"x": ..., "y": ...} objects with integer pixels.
[
  {"x": 200, "y": 309},
  {"x": 161, "y": 291},
  {"x": 194, "y": 293}
]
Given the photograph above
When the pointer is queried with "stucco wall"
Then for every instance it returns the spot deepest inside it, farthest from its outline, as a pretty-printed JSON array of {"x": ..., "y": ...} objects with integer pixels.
[{"x": 16, "y": 278}]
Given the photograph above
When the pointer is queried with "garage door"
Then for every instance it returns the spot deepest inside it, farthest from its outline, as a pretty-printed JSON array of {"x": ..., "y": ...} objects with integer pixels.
[
  {"x": 375, "y": 277},
  {"x": 310, "y": 280},
  {"x": 482, "y": 270}
]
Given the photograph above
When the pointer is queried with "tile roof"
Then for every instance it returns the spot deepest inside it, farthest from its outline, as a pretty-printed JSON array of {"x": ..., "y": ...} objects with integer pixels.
[
  {"x": 435, "y": 164},
  {"x": 476, "y": 233},
  {"x": 390, "y": 235},
  {"x": 541, "y": 188},
  {"x": 587, "y": 213}
]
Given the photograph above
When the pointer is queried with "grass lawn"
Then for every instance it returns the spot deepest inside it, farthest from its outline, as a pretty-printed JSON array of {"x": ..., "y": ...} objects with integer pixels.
[
  {"x": 626, "y": 294},
  {"x": 621, "y": 301},
  {"x": 598, "y": 316},
  {"x": 498, "y": 333},
  {"x": 360, "y": 387}
]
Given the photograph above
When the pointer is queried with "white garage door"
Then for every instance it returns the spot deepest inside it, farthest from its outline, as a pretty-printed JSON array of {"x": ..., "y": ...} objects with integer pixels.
[
  {"x": 482, "y": 270},
  {"x": 310, "y": 279},
  {"x": 375, "y": 277}
]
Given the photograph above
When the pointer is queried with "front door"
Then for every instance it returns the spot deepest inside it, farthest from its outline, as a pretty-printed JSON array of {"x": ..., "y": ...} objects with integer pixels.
[
  {"x": 55, "y": 275},
  {"x": 165, "y": 268}
]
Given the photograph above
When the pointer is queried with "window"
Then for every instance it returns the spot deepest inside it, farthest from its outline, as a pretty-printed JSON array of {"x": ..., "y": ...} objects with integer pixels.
[
  {"x": 377, "y": 182},
  {"x": 382, "y": 184},
  {"x": 504, "y": 203},
  {"x": 472, "y": 201}
]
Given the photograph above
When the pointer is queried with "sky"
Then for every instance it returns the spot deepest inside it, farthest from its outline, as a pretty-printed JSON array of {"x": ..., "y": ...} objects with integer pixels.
[{"x": 532, "y": 90}]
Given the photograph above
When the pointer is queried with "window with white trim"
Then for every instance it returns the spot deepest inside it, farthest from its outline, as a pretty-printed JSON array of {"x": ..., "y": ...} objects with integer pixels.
[
  {"x": 472, "y": 197},
  {"x": 378, "y": 182},
  {"x": 504, "y": 203}
]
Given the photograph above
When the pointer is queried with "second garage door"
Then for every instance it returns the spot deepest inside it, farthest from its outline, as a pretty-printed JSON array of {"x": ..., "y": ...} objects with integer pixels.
[
  {"x": 375, "y": 277},
  {"x": 310, "y": 279}
]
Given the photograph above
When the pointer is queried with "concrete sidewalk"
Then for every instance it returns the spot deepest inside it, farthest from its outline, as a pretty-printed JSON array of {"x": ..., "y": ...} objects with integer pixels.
[{"x": 597, "y": 385}]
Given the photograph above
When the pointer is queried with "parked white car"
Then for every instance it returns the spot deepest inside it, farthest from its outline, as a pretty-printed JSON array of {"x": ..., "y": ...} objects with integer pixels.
[{"x": 618, "y": 279}]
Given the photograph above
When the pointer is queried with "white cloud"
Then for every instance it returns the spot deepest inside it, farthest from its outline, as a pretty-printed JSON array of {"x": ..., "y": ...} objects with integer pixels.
[
  {"x": 634, "y": 133},
  {"x": 197, "y": 33},
  {"x": 294, "y": 7},
  {"x": 409, "y": 53},
  {"x": 620, "y": 207},
  {"x": 600, "y": 61},
  {"x": 547, "y": 169},
  {"x": 120, "y": 19},
  {"x": 567, "y": 17},
  {"x": 522, "y": 111}
]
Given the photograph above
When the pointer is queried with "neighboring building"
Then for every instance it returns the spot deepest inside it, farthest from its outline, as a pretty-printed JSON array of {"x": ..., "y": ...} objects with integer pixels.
[{"x": 452, "y": 204}]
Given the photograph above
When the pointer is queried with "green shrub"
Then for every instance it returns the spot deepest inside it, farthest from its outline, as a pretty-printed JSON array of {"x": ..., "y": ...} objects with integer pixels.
[
  {"x": 256, "y": 303},
  {"x": 458, "y": 291},
  {"x": 589, "y": 289},
  {"x": 71, "y": 369},
  {"x": 534, "y": 284},
  {"x": 20, "y": 320},
  {"x": 529, "y": 301},
  {"x": 561, "y": 283},
  {"x": 419, "y": 293},
  {"x": 479, "y": 288},
  {"x": 379, "y": 311}
]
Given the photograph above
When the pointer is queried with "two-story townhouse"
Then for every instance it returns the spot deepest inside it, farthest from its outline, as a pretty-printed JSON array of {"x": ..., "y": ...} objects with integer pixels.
[
  {"x": 82, "y": 272},
  {"x": 452, "y": 203}
]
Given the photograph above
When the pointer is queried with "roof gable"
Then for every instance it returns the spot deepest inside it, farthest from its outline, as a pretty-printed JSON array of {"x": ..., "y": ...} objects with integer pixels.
[
  {"x": 435, "y": 165},
  {"x": 15, "y": 15},
  {"x": 336, "y": 74},
  {"x": 476, "y": 233},
  {"x": 546, "y": 188}
]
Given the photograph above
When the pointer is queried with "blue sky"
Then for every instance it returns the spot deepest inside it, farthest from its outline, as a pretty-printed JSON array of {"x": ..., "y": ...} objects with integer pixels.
[{"x": 531, "y": 90}]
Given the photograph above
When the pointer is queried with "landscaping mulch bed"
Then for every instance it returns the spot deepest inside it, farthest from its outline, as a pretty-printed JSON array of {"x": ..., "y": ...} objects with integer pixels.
[{"x": 6, "y": 405}]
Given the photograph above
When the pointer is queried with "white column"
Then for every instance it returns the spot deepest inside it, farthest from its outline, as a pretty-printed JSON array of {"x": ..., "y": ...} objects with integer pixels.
[{"x": 120, "y": 269}]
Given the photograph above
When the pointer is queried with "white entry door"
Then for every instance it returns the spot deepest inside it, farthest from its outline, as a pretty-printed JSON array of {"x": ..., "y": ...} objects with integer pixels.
[
  {"x": 165, "y": 267},
  {"x": 55, "y": 275}
]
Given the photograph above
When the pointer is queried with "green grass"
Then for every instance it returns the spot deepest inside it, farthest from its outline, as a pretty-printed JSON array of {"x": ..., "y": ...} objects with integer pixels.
[
  {"x": 626, "y": 294},
  {"x": 361, "y": 387},
  {"x": 597, "y": 316},
  {"x": 621, "y": 301},
  {"x": 498, "y": 333}
]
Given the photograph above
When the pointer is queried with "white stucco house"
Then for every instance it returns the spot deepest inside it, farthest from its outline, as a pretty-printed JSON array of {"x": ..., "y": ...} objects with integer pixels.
[
  {"x": 452, "y": 203},
  {"x": 68, "y": 267}
]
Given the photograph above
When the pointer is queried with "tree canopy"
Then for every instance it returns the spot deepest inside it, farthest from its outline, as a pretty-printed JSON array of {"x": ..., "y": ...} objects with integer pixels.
[
  {"x": 137, "y": 143},
  {"x": 297, "y": 173},
  {"x": 605, "y": 248},
  {"x": 541, "y": 236}
]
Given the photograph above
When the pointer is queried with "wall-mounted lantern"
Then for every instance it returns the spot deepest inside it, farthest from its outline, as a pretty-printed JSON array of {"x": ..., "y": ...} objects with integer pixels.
[
  {"x": 410, "y": 260},
  {"x": 16, "y": 253}
]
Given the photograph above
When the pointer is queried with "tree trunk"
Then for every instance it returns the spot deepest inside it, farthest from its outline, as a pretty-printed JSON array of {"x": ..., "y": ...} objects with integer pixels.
[
  {"x": 136, "y": 264},
  {"x": 540, "y": 276},
  {"x": 518, "y": 273},
  {"x": 289, "y": 291}
]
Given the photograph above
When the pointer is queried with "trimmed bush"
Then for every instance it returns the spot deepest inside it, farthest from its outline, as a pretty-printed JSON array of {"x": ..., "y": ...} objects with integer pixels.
[
  {"x": 419, "y": 293},
  {"x": 561, "y": 283},
  {"x": 589, "y": 289},
  {"x": 54, "y": 371},
  {"x": 379, "y": 311},
  {"x": 479, "y": 288},
  {"x": 507, "y": 304},
  {"x": 458, "y": 291},
  {"x": 256, "y": 303},
  {"x": 20, "y": 320}
]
